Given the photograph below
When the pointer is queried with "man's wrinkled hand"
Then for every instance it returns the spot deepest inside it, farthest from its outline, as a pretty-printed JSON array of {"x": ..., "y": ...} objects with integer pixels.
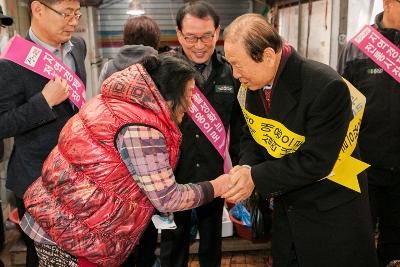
[
  {"x": 241, "y": 185},
  {"x": 235, "y": 169}
]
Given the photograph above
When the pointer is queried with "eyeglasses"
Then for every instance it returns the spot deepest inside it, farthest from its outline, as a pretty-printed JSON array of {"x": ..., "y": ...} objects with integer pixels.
[
  {"x": 66, "y": 16},
  {"x": 206, "y": 38}
]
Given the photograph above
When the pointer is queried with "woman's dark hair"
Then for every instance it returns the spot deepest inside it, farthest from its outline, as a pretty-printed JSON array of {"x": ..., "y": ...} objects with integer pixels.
[
  {"x": 142, "y": 30},
  {"x": 198, "y": 9},
  {"x": 170, "y": 74}
]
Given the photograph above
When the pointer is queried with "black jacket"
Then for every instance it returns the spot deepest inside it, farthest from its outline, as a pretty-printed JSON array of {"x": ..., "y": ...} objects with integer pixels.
[
  {"x": 199, "y": 160},
  {"x": 312, "y": 100},
  {"x": 379, "y": 138},
  {"x": 26, "y": 116}
]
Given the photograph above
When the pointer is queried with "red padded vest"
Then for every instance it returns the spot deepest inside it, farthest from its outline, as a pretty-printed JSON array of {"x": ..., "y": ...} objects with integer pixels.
[{"x": 86, "y": 199}]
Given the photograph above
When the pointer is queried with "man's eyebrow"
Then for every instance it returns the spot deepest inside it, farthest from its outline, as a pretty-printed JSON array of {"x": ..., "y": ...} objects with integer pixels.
[{"x": 209, "y": 32}]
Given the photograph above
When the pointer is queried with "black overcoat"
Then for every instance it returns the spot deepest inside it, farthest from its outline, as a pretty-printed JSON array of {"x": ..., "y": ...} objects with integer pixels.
[{"x": 326, "y": 223}]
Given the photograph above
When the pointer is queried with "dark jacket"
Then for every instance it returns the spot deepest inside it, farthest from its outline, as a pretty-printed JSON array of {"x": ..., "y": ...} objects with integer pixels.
[
  {"x": 1, "y": 149},
  {"x": 380, "y": 130},
  {"x": 199, "y": 161},
  {"x": 127, "y": 55},
  {"x": 312, "y": 100},
  {"x": 25, "y": 115}
]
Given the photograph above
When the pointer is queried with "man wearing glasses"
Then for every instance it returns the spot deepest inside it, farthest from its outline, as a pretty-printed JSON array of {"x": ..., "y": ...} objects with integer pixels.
[
  {"x": 34, "y": 109},
  {"x": 198, "y": 32},
  {"x": 379, "y": 139}
]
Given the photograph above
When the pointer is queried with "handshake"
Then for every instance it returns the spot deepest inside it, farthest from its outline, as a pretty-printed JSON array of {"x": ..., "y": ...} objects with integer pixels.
[{"x": 235, "y": 186}]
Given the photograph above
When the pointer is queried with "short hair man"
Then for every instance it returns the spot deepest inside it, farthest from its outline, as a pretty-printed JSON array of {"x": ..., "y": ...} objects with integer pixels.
[
  {"x": 33, "y": 109},
  {"x": 289, "y": 99},
  {"x": 380, "y": 131},
  {"x": 141, "y": 40},
  {"x": 198, "y": 32}
]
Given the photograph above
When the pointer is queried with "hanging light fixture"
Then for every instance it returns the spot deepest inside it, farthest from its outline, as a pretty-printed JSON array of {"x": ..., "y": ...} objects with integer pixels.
[{"x": 135, "y": 8}]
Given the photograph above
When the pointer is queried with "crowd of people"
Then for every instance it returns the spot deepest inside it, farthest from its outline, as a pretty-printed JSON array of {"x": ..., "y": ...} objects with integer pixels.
[{"x": 177, "y": 134}]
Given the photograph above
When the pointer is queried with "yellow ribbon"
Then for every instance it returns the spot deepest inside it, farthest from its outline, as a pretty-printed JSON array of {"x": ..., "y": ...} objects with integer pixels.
[{"x": 280, "y": 141}]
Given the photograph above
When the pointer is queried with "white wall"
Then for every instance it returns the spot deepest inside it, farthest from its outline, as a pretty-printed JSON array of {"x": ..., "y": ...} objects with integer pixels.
[
  {"x": 320, "y": 28},
  {"x": 361, "y": 12}
]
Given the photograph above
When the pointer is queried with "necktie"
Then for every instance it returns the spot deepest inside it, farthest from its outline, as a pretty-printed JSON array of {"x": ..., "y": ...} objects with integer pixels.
[
  {"x": 267, "y": 93},
  {"x": 200, "y": 67}
]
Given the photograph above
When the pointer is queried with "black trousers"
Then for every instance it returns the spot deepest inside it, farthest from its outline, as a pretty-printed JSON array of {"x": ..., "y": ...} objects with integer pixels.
[
  {"x": 384, "y": 194},
  {"x": 174, "y": 248},
  {"x": 31, "y": 256},
  {"x": 144, "y": 252}
]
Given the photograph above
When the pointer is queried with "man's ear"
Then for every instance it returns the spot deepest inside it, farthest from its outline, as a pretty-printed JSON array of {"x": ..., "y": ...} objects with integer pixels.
[
  {"x": 217, "y": 31},
  {"x": 179, "y": 34},
  {"x": 36, "y": 8},
  {"x": 269, "y": 56}
]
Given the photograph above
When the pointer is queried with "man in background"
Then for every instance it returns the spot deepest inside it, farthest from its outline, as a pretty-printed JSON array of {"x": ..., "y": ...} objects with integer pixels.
[
  {"x": 4, "y": 21},
  {"x": 379, "y": 138},
  {"x": 141, "y": 40},
  {"x": 198, "y": 31}
]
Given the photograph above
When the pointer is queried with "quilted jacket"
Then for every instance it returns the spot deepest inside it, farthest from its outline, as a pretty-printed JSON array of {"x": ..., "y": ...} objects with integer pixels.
[{"x": 86, "y": 199}]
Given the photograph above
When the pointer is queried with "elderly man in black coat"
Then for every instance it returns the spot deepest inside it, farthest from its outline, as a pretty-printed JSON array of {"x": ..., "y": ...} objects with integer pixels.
[{"x": 298, "y": 113}]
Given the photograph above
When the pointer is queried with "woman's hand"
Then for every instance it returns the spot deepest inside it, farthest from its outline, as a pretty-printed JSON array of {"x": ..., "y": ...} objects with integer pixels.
[{"x": 221, "y": 184}]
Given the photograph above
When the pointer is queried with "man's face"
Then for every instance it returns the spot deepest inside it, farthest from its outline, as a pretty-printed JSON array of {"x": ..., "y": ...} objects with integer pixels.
[
  {"x": 254, "y": 75},
  {"x": 392, "y": 11},
  {"x": 198, "y": 38},
  {"x": 55, "y": 27}
]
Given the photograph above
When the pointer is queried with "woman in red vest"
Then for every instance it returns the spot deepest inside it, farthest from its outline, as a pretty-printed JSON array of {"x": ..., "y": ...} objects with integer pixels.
[{"x": 113, "y": 167}]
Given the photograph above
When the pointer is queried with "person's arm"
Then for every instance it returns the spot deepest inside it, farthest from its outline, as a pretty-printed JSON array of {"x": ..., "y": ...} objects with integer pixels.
[
  {"x": 19, "y": 114},
  {"x": 326, "y": 126},
  {"x": 145, "y": 154}
]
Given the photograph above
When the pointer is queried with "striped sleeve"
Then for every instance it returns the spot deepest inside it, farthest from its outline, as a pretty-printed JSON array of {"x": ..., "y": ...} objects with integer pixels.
[{"x": 144, "y": 151}]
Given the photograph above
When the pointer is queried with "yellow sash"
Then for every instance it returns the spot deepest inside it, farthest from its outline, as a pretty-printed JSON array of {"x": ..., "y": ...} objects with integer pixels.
[{"x": 280, "y": 141}]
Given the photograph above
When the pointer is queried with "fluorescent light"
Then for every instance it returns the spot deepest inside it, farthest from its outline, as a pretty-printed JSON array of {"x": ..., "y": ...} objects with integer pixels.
[{"x": 135, "y": 8}]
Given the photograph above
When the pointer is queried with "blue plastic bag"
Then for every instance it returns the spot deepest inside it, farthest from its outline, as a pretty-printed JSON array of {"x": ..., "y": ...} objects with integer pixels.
[{"x": 240, "y": 212}]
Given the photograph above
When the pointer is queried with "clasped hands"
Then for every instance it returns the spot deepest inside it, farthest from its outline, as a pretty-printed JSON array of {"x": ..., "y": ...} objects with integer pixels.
[{"x": 235, "y": 186}]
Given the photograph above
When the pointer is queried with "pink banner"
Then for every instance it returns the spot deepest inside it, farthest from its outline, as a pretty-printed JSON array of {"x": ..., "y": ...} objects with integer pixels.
[
  {"x": 41, "y": 61},
  {"x": 379, "y": 49},
  {"x": 207, "y": 119}
]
